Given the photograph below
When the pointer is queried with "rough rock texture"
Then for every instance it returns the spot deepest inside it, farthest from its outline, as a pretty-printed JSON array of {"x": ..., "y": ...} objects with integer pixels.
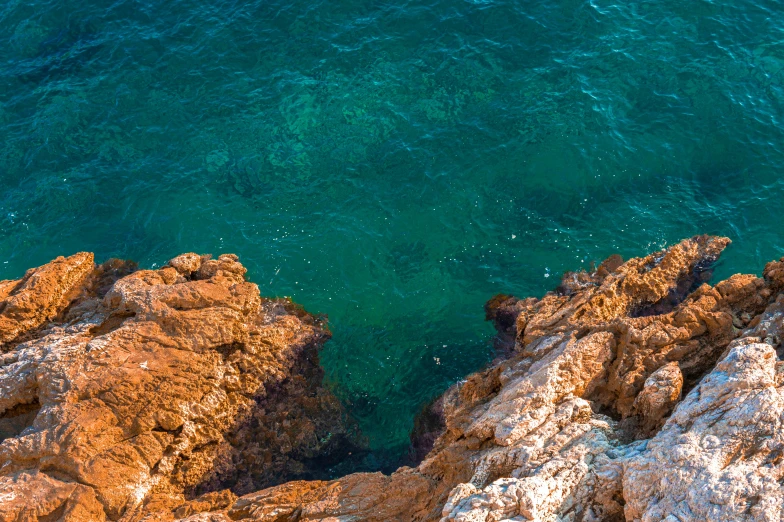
[
  {"x": 634, "y": 392},
  {"x": 582, "y": 417},
  {"x": 125, "y": 394},
  {"x": 36, "y": 298}
]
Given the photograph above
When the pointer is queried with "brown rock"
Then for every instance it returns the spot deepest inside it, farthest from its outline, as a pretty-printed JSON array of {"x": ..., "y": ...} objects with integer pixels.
[
  {"x": 659, "y": 395},
  {"x": 40, "y": 295},
  {"x": 125, "y": 394},
  {"x": 145, "y": 403}
]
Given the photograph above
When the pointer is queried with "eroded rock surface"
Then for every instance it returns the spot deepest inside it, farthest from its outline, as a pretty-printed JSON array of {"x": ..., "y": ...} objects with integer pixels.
[
  {"x": 634, "y": 392},
  {"x": 143, "y": 395},
  {"x": 583, "y": 417}
]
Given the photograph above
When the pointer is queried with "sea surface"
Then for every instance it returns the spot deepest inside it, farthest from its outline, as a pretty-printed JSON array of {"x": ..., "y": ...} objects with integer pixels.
[{"x": 391, "y": 164}]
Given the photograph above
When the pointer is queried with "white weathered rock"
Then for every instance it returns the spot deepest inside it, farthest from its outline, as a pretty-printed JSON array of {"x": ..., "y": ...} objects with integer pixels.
[{"x": 721, "y": 454}]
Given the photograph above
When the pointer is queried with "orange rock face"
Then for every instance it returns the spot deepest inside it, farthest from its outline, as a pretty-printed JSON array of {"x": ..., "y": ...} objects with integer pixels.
[
  {"x": 635, "y": 392},
  {"x": 40, "y": 295},
  {"x": 130, "y": 393}
]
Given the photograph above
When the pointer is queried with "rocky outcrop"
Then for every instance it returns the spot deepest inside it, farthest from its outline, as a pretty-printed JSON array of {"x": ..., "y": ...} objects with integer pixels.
[
  {"x": 142, "y": 395},
  {"x": 40, "y": 295},
  {"x": 633, "y": 392},
  {"x": 583, "y": 417}
]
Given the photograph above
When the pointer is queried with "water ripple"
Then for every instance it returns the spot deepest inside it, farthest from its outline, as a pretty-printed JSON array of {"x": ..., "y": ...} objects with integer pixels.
[{"x": 390, "y": 164}]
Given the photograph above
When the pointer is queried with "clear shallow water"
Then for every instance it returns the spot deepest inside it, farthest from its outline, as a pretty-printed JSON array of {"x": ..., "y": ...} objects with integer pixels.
[{"x": 391, "y": 164}]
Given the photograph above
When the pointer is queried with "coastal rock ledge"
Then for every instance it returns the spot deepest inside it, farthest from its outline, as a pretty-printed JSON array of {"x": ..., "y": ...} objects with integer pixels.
[{"x": 635, "y": 392}]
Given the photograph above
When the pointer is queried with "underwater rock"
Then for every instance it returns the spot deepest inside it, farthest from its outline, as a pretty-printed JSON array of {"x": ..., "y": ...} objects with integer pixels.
[
  {"x": 634, "y": 392},
  {"x": 127, "y": 393}
]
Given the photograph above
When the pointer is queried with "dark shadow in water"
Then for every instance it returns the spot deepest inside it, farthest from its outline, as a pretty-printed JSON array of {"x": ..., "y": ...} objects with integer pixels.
[{"x": 62, "y": 55}]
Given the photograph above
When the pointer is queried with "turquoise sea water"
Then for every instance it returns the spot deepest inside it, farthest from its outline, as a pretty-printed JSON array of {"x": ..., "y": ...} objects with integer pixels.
[{"x": 391, "y": 164}]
